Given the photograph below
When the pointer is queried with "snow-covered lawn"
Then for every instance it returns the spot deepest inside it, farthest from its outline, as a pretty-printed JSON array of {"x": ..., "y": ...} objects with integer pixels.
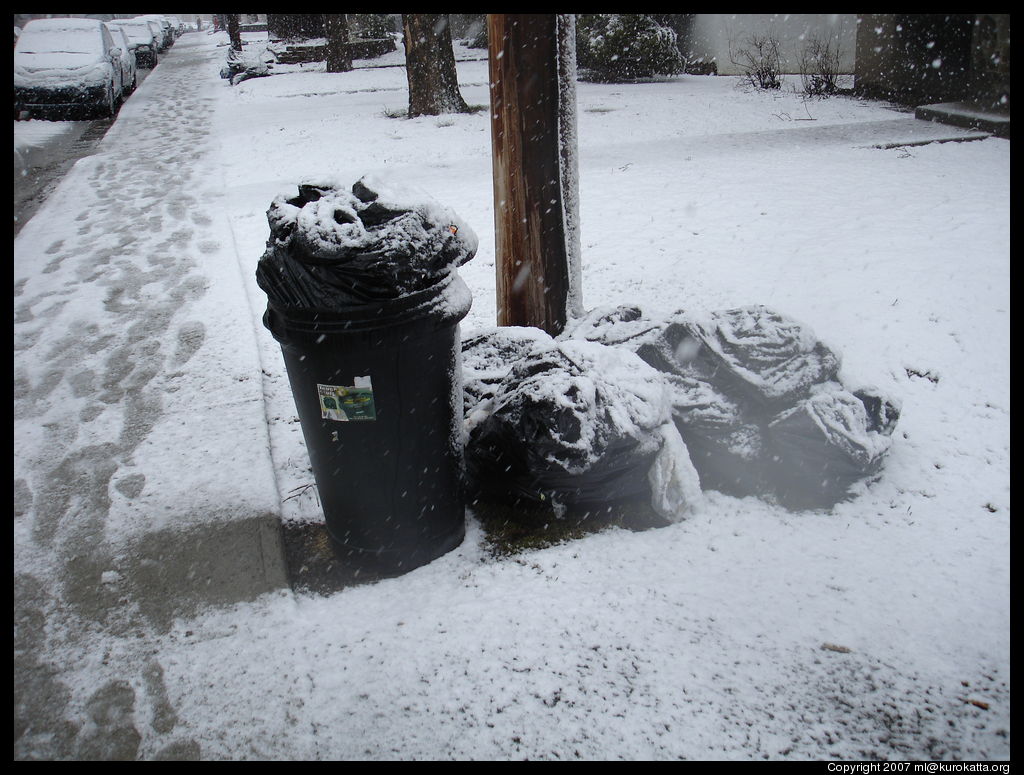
[{"x": 877, "y": 630}]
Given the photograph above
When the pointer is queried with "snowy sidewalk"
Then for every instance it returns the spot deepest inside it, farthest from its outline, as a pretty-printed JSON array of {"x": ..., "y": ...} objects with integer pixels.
[{"x": 143, "y": 483}]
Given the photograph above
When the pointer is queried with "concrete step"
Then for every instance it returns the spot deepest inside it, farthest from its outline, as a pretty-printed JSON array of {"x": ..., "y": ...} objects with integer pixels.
[{"x": 963, "y": 114}]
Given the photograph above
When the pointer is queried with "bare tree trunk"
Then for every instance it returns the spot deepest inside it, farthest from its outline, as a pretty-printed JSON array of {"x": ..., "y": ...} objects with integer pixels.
[
  {"x": 234, "y": 32},
  {"x": 430, "y": 65},
  {"x": 533, "y": 117},
  {"x": 339, "y": 56}
]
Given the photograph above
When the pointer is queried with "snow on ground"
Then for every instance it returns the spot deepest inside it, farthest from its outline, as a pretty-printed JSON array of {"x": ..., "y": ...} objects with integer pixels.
[
  {"x": 877, "y": 630},
  {"x": 32, "y": 137},
  {"x": 35, "y": 133}
]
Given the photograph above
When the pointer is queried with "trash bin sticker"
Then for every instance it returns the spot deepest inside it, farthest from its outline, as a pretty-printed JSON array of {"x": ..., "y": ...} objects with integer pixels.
[{"x": 345, "y": 403}]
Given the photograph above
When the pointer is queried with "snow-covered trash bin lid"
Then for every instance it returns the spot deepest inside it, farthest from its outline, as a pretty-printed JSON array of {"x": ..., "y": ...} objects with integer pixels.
[{"x": 375, "y": 250}]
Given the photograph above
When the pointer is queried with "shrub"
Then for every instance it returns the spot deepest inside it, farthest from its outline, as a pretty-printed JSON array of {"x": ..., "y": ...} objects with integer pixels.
[
  {"x": 371, "y": 25},
  {"x": 758, "y": 57},
  {"x": 819, "y": 67},
  {"x": 621, "y": 47}
]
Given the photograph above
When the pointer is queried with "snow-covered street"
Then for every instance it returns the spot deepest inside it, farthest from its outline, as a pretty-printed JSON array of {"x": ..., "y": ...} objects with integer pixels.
[{"x": 157, "y": 447}]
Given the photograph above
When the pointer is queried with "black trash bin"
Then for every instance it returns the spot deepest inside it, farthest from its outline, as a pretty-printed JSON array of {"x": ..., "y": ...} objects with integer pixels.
[{"x": 365, "y": 300}]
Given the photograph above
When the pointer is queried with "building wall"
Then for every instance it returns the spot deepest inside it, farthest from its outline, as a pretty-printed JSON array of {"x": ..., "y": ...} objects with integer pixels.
[{"x": 708, "y": 36}]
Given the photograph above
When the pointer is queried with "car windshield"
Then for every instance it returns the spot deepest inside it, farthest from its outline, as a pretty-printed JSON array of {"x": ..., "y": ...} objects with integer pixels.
[
  {"x": 136, "y": 32},
  {"x": 57, "y": 40},
  {"x": 120, "y": 37}
]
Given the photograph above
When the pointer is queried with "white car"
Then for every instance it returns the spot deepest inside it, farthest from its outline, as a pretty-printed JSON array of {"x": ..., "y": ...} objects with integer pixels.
[
  {"x": 129, "y": 75},
  {"x": 66, "y": 66},
  {"x": 166, "y": 35},
  {"x": 158, "y": 33},
  {"x": 142, "y": 38}
]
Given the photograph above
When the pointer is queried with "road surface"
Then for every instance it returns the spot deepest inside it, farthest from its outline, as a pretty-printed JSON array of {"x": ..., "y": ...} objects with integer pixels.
[{"x": 40, "y": 165}]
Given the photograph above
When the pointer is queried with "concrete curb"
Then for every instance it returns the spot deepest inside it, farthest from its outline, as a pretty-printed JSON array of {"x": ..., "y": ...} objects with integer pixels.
[{"x": 963, "y": 115}]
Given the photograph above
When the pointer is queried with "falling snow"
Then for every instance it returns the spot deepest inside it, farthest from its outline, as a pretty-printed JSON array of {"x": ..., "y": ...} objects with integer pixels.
[{"x": 149, "y": 397}]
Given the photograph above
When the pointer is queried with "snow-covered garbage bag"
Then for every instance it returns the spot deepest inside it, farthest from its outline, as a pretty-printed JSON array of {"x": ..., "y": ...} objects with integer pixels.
[
  {"x": 752, "y": 353},
  {"x": 742, "y": 380},
  {"x": 486, "y": 361},
  {"x": 725, "y": 444},
  {"x": 755, "y": 362},
  {"x": 364, "y": 296},
  {"x": 242, "y": 65},
  {"x": 572, "y": 424},
  {"x": 827, "y": 443}
]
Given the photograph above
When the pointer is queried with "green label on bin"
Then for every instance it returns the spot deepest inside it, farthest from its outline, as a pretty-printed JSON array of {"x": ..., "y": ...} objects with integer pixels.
[{"x": 347, "y": 403}]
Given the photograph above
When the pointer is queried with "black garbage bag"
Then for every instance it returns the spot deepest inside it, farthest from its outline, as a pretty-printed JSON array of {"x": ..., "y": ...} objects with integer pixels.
[
  {"x": 800, "y": 438},
  {"x": 573, "y": 424},
  {"x": 741, "y": 382},
  {"x": 624, "y": 325},
  {"x": 486, "y": 360},
  {"x": 751, "y": 353},
  {"x": 724, "y": 443},
  {"x": 827, "y": 443},
  {"x": 242, "y": 65},
  {"x": 748, "y": 353},
  {"x": 371, "y": 248}
]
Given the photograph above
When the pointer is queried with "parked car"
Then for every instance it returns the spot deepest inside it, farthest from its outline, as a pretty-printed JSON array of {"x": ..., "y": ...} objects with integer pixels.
[
  {"x": 143, "y": 39},
  {"x": 166, "y": 36},
  {"x": 66, "y": 67},
  {"x": 158, "y": 33},
  {"x": 170, "y": 28},
  {"x": 129, "y": 75}
]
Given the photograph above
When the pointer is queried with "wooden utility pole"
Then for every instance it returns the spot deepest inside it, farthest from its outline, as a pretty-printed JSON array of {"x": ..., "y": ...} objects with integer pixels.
[{"x": 533, "y": 133}]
